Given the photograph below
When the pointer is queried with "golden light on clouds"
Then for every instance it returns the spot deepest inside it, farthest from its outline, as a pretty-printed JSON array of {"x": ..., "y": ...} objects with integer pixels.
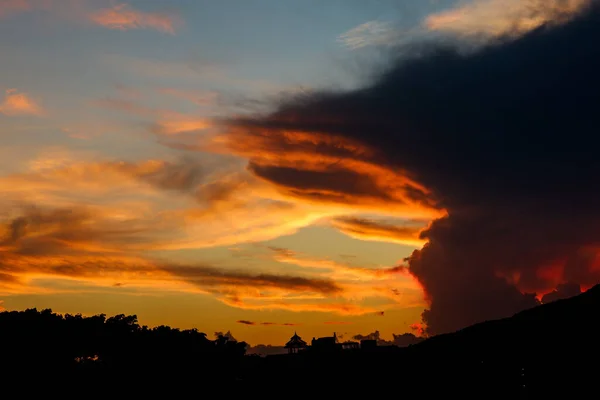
[
  {"x": 503, "y": 17},
  {"x": 325, "y": 169},
  {"x": 365, "y": 229},
  {"x": 99, "y": 223}
]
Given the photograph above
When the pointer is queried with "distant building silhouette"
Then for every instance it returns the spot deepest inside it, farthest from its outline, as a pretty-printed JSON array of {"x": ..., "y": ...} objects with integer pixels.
[
  {"x": 328, "y": 343},
  {"x": 367, "y": 344},
  {"x": 295, "y": 344},
  {"x": 349, "y": 345}
]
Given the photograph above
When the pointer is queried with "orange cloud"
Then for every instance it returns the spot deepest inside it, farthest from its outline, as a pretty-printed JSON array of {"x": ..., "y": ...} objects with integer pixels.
[
  {"x": 207, "y": 277},
  {"x": 366, "y": 229},
  {"x": 167, "y": 122},
  {"x": 341, "y": 308},
  {"x": 74, "y": 245},
  {"x": 123, "y": 17},
  {"x": 392, "y": 284},
  {"x": 183, "y": 204},
  {"x": 175, "y": 124},
  {"x": 16, "y": 103},
  {"x": 252, "y": 323},
  {"x": 503, "y": 17},
  {"x": 324, "y": 169},
  {"x": 290, "y": 257},
  {"x": 99, "y": 222}
]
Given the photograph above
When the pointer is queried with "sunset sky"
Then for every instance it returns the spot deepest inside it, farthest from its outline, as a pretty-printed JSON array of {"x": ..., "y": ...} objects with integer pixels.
[{"x": 134, "y": 179}]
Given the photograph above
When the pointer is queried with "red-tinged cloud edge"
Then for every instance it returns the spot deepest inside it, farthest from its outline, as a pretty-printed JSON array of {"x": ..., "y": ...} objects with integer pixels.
[{"x": 419, "y": 328}]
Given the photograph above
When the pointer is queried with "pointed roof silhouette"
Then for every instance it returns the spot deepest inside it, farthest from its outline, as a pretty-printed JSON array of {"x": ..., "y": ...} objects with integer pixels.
[{"x": 295, "y": 341}]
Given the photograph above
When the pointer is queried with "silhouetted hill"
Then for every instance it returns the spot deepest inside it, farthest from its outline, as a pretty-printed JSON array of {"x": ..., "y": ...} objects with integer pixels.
[
  {"x": 546, "y": 352},
  {"x": 530, "y": 330},
  {"x": 537, "y": 353}
]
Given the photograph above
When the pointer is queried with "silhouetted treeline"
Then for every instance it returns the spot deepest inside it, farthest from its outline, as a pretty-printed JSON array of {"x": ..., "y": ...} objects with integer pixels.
[
  {"x": 42, "y": 343},
  {"x": 548, "y": 352}
]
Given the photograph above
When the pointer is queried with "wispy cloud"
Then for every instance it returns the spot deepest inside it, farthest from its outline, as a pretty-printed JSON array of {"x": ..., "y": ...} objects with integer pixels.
[
  {"x": 124, "y": 17},
  {"x": 164, "y": 122},
  {"x": 300, "y": 305},
  {"x": 391, "y": 284},
  {"x": 120, "y": 16},
  {"x": 252, "y": 323},
  {"x": 73, "y": 244},
  {"x": 369, "y": 274},
  {"x": 372, "y": 33},
  {"x": 175, "y": 124},
  {"x": 369, "y": 229},
  {"x": 17, "y": 103},
  {"x": 184, "y": 204}
]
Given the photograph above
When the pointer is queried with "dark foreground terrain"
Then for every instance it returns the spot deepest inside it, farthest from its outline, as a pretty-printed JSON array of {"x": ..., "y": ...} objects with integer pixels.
[{"x": 547, "y": 352}]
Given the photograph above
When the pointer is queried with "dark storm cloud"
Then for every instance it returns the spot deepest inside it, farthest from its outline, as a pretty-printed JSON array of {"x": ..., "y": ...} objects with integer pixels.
[
  {"x": 336, "y": 185},
  {"x": 506, "y": 141}
]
